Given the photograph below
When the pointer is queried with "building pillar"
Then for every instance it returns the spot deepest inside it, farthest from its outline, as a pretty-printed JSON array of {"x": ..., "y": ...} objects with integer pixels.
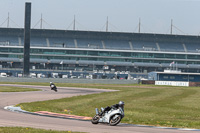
[{"x": 27, "y": 32}]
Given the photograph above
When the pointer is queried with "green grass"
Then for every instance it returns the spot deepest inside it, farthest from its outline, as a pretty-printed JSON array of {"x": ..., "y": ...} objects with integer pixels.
[
  {"x": 144, "y": 104},
  {"x": 29, "y": 130},
  {"x": 16, "y": 89}
]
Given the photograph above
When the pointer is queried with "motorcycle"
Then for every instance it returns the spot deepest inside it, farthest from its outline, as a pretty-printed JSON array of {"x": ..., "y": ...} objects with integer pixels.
[
  {"x": 53, "y": 87},
  {"x": 112, "y": 117}
]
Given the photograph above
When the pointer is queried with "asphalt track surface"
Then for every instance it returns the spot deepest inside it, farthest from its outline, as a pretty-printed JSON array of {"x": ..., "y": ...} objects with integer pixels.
[{"x": 8, "y": 118}]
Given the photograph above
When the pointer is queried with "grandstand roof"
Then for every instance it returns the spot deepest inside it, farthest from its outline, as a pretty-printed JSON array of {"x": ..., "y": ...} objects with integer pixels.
[{"x": 101, "y": 35}]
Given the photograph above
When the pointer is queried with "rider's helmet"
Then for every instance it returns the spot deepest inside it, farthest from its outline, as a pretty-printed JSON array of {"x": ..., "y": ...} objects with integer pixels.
[
  {"x": 50, "y": 82},
  {"x": 121, "y": 104}
]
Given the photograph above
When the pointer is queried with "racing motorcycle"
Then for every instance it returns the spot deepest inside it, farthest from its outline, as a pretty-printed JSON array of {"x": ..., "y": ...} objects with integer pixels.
[
  {"x": 53, "y": 87},
  {"x": 112, "y": 117}
]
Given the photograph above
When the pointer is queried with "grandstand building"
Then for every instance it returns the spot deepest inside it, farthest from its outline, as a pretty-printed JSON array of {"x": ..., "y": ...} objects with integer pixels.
[{"x": 91, "y": 50}]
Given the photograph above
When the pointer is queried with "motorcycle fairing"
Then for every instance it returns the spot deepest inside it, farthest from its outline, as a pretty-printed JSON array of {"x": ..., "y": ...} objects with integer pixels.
[{"x": 106, "y": 118}]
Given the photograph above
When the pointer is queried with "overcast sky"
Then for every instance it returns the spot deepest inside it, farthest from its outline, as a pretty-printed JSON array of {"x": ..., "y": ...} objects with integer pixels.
[{"x": 123, "y": 15}]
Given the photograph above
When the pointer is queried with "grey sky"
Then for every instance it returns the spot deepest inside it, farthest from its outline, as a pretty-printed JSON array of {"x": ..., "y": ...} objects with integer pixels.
[{"x": 123, "y": 15}]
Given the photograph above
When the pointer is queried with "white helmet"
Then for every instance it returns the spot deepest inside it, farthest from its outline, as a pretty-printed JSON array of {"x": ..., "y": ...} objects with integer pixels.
[
  {"x": 121, "y": 103},
  {"x": 50, "y": 82}
]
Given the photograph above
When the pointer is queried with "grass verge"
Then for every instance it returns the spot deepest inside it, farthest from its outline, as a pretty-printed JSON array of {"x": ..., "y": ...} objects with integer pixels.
[
  {"x": 16, "y": 89},
  {"x": 146, "y": 105},
  {"x": 29, "y": 130}
]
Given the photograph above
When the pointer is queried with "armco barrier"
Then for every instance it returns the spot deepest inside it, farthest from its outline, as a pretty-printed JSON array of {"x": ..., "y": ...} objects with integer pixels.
[
  {"x": 66, "y": 80},
  {"x": 194, "y": 84},
  {"x": 148, "y": 82}
]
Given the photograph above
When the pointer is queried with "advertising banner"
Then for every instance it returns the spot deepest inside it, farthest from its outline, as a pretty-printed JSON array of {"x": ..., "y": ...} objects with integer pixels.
[{"x": 172, "y": 83}]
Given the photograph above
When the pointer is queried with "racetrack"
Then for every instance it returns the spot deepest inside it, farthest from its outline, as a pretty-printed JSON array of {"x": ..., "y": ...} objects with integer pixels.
[{"x": 8, "y": 118}]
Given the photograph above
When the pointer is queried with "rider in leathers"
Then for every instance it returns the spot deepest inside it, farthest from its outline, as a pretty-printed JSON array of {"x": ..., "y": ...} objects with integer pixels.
[
  {"x": 51, "y": 83},
  {"x": 115, "y": 106}
]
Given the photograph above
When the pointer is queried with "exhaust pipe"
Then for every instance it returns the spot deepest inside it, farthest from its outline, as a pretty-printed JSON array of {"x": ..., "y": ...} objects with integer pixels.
[{"x": 97, "y": 111}]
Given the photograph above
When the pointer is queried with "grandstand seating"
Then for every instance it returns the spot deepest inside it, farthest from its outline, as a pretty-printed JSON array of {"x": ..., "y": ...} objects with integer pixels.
[
  {"x": 89, "y": 43},
  {"x": 192, "y": 47},
  {"x": 117, "y": 44},
  {"x": 9, "y": 40},
  {"x": 98, "y": 44},
  {"x": 59, "y": 41},
  {"x": 39, "y": 42},
  {"x": 142, "y": 45},
  {"x": 178, "y": 47}
]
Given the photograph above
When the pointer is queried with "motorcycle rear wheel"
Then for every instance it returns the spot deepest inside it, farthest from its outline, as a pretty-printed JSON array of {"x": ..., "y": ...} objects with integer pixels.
[
  {"x": 95, "y": 119},
  {"x": 114, "y": 121}
]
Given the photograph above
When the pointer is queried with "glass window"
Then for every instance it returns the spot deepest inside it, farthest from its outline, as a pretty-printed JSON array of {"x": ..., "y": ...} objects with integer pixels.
[
  {"x": 172, "y": 77},
  {"x": 179, "y": 56},
  {"x": 83, "y": 58},
  {"x": 150, "y": 55},
  {"x": 4, "y": 50},
  {"x": 191, "y": 56},
  {"x": 169, "y": 55},
  {"x": 92, "y": 59},
  {"x": 185, "y": 77},
  {"x": 58, "y": 51},
  {"x": 135, "y": 54},
  {"x": 12, "y": 56},
  {"x": 165, "y": 77},
  {"x": 144, "y": 55},
  {"x": 92, "y": 53},
  {"x": 115, "y": 53},
  {"x": 126, "y": 54},
  {"x": 35, "y": 51},
  {"x": 3, "y": 55},
  {"x": 81, "y": 52},
  {"x": 16, "y": 50},
  {"x": 198, "y": 56},
  {"x": 102, "y": 53},
  {"x": 71, "y": 52},
  {"x": 191, "y": 77},
  {"x": 147, "y": 61},
  {"x": 20, "y": 56},
  {"x": 159, "y": 55},
  {"x": 103, "y": 59}
]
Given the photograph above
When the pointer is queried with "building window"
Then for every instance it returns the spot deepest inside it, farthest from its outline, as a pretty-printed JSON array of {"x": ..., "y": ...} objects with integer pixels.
[
  {"x": 165, "y": 77},
  {"x": 172, "y": 77},
  {"x": 192, "y": 78},
  {"x": 185, "y": 77}
]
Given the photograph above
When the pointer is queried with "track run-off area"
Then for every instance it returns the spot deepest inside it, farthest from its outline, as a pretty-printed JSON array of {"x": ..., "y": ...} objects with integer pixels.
[{"x": 10, "y": 119}]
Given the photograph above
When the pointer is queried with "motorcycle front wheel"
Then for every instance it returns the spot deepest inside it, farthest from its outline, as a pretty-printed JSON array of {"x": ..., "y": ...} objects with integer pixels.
[
  {"x": 95, "y": 119},
  {"x": 115, "y": 120}
]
